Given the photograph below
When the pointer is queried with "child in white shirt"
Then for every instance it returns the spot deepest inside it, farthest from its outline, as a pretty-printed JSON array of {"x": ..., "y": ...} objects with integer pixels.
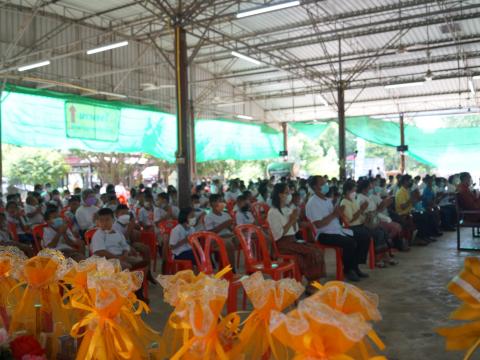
[
  {"x": 58, "y": 236},
  {"x": 111, "y": 244}
]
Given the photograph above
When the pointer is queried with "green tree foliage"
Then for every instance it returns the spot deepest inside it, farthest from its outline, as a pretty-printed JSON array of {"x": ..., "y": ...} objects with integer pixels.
[{"x": 32, "y": 166}]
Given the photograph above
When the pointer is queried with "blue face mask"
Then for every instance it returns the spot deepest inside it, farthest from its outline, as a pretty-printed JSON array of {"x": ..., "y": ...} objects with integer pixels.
[
  {"x": 57, "y": 222},
  {"x": 325, "y": 189},
  {"x": 378, "y": 189},
  {"x": 370, "y": 192}
]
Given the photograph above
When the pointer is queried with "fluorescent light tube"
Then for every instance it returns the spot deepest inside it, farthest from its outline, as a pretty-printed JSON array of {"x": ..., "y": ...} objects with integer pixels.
[
  {"x": 245, "y": 117},
  {"x": 401, "y": 85},
  {"x": 265, "y": 9},
  {"x": 230, "y": 104},
  {"x": 107, "y": 47},
  {"x": 245, "y": 57},
  {"x": 34, "y": 65},
  {"x": 470, "y": 85},
  {"x": 121, "y": 96},
  {"x": 476, "y": 77}
]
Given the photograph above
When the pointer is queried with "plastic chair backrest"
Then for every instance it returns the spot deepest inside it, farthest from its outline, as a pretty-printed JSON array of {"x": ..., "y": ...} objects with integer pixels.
[
  {"x": 230, "y": 205},
  {"x": 203, "y": 253},
  {"x": 247, "y": 234},
  {"x": 197, "y": 242},
  {"x": 166, "y": 226},
  {"x": 12, "y": 228},
  {"x": 64, "y": 210},
  {"x": 260, "y": 212},
  {"x": 88, "y": 236},
  {"x": 37, "y": 232}
]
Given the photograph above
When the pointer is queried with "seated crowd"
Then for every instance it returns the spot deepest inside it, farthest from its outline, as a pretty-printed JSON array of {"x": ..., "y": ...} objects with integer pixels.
[{"x": 300, "y": 217}]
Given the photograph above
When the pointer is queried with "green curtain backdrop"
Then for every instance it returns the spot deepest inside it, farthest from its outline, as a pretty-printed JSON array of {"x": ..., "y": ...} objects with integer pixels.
[
  {"x": 452, "y": 148},
  {"x": 312, "y": 131},
  {"x": 39, "y": 118},
  {"x": 42, "y": 118}
]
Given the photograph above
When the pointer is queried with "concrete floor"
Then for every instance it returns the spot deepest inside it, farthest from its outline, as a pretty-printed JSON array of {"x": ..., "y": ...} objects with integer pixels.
[{"x": 413, "y": 299}]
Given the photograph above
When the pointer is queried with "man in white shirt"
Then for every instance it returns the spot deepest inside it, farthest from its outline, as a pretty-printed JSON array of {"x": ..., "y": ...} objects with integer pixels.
[
  {"x": 221, "y": 223},
  {"x": 111, "y": 244},
  {"x": 85, "y": 213},
  {"x": 325, "y": 218},
  {"x": 233, "y": 192},
  {"x": 243, "y": 215}
]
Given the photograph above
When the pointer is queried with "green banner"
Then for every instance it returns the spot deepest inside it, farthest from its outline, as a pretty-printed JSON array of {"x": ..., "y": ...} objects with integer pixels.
[{"x": 91, "y": 122}]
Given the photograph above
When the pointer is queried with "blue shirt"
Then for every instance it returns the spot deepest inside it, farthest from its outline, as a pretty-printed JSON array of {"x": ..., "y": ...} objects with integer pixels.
[{"x": 427, "y": 197}]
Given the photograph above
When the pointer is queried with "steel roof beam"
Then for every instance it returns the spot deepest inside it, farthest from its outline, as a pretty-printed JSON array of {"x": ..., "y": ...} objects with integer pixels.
[{"x": 362, "y": 30}]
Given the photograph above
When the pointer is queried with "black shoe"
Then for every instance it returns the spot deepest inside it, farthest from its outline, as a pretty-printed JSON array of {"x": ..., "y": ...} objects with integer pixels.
[
  {"x": 431, "y": 239},
  {"x": 438, "y": 234},
  {"x": 361, "y": 274},
  {"x": 352, "y": 276}
]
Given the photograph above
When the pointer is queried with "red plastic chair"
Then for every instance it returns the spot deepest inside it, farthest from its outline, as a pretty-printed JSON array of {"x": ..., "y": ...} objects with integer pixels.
[
  {"x": 203, "y": 258},
  {"x": 170, "y": 264},
  {"x": 37, "y": 232},
  {"x": 63, "y": 211},
  {"x": 260, "y": 213},
  {"x": 261, "y": 261},
  {"x": 338, "y": 251},
  {"x": 12, "y": 228},
  {"x": 88, "y": 239},
  {"x": 148, "y": 238},
  {"x": 230, "y": 205},
  {"x": 284, "y": 257}
]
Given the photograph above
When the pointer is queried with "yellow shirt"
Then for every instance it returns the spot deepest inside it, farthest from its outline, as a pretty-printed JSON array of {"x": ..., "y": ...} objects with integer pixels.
[
  {"x": 350, "y": 208},
  {"x": 402, "y": 197}
]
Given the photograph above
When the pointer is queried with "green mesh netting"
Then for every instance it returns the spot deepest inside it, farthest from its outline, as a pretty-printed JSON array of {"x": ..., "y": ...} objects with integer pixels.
[
  {"x": 52, "y": 120},
  {"x": 452, "y": 148},
  {"x": 42, "y": 118},
  {"x": 312, "y": 131}
]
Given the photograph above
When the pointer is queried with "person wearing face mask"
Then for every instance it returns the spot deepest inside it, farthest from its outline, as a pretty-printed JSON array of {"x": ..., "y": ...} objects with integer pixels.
[
  {"x": 112, "y": 202},
  {"x": 146, "y": 213},
  {"x": 163, "y": 210},
  {"x": 6, "y": 238},
  {"x": 324, "y": 216},
  {"x": 125, "y": 224},
  {"x": 199, "y": 212},
  {"x": 33, "y": 211},
  {"x": 243, "y": 214},
  {"x": 413, "y": 222},
  {"x": 383, "y": 242},
  {"x": 354, "y": 215},
  {"x": 282, "y": 221},
  {"x": 58, "y": 236},
  {"x": 55, "y": 199},
  {"x": 86, "y": 211},
  {"x": 178, "y": 240},
  {"x": 66, "y": 197},
  {"x": 218, "y": 221}
]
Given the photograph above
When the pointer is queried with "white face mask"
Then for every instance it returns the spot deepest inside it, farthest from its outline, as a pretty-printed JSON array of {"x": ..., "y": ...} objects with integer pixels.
[
  {"x": 196, "y": 206},
  {"x": 352, "y": 196},
  {"x": 192, "y": 222},
  {"x": 289, "y": 199},
  {"x": 124, "y": 219}
]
